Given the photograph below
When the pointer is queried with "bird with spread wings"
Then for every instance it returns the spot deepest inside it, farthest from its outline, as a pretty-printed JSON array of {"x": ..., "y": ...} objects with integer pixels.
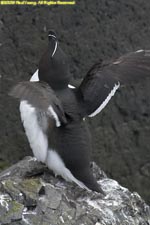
[{"x": 53, "y": 118}]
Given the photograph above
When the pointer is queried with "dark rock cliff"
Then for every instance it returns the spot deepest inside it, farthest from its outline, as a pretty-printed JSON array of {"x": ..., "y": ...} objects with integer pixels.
[{"x": 89, "y": 31}]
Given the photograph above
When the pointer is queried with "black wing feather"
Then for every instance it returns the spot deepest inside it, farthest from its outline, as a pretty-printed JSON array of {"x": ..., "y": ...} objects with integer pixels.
[{"x": 102, "y": 78}]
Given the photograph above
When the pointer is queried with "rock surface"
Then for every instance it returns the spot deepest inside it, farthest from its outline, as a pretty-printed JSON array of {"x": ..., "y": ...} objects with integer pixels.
[
  {"x": 29, "y": 194},
  {"x": 89, "y": 31}
]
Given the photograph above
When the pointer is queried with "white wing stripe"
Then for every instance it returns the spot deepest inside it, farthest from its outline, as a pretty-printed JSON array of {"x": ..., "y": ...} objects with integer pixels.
[
  {"x": 105, "y": 102},
  {"x": 54, "y": 49},
  {"x": 54, "y": 115}
]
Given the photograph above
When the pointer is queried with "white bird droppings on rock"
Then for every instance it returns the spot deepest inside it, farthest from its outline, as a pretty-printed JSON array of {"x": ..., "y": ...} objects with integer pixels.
[
  {"x": 4, "y": 199},
  {"x": 33, "y": 159},
  {"x": 62, "y": 220},
  {"x": 25, "y": 220}
]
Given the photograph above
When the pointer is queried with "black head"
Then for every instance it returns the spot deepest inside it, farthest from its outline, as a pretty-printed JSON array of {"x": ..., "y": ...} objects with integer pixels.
[{"x": 53, "y": 66}]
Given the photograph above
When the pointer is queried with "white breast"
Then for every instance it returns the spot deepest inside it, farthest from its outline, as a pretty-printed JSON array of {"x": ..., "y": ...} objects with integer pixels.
[
  {"x": 35, "y": 76},
  {"x": 36, "y": 137}
]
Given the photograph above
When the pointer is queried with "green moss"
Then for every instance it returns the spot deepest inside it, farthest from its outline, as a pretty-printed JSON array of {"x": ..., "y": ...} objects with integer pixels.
[
  {"x": 16, "y": 207},
  {"x": 30, "y": 185},
  {"x": 9, "y": 186},
  {"x": 30, "y": 188},
  {"x": 14, "y": 213}
]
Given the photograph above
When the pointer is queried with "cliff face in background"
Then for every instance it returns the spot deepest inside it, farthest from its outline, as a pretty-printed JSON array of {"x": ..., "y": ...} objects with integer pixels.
[{"x": 88, "y": 32}]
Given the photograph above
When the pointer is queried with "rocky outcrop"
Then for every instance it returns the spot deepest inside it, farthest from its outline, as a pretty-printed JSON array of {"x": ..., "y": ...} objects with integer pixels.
[
  {"x": 30, "y": 194},
  {"x": 89, "y": 31}
]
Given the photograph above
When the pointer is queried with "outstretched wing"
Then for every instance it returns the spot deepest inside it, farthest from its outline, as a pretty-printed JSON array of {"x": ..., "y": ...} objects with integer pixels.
[
  {"x": 40, "y": 95},
  {"x": 103, "y": 80}
]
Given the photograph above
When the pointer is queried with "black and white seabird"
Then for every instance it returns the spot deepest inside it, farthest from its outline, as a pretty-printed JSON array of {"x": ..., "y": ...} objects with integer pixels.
[{"x": 52, "y": 113}]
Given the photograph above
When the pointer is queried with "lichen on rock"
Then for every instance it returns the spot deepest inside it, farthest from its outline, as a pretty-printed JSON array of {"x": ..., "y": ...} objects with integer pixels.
[{"x": 44, "y": 199}]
